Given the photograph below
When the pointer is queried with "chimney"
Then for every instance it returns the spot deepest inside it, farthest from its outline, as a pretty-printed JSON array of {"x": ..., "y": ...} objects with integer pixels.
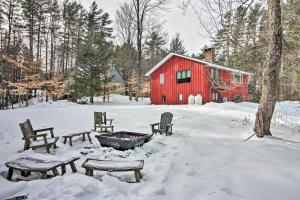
[{"x": 209, "y": 54}]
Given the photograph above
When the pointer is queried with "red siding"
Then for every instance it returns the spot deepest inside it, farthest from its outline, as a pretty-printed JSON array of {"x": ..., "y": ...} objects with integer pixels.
[{"x": 199, "y": 83}]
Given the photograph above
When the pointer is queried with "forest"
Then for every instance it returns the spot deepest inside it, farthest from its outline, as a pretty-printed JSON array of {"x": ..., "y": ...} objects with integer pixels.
[{"x": 56, "y": 49}]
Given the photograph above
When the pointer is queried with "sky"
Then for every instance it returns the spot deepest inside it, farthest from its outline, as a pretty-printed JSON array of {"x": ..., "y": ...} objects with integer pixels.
[{"x": 174, "y": 22}]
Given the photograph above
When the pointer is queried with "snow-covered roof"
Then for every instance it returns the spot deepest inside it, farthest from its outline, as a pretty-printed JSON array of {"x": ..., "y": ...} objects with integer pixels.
[{"x": 213, "y": 65}]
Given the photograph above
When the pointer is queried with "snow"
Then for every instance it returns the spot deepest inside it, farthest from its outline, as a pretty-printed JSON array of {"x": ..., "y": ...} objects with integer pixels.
[
  {"x": 205, "y": 158},
  {"x": 108, "y": 164}
]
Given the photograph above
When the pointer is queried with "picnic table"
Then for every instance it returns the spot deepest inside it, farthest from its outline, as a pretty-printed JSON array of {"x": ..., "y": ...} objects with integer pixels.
[
  {"x": 110, "y": 165},
  {"x": 27, "y": 165},
  {"x": 83, "y": 134}
]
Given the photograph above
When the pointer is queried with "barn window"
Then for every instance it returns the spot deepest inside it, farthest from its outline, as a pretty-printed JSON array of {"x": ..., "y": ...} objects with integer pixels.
[
  {"x": 162, "y": 79},
  {"x": 237, "y": 78},
  {"x": 180, "y": 97},
  {"x": 215, "y": 96},
  {"x": 183, "y": 76},
  {"x": 214, "y": 74}
]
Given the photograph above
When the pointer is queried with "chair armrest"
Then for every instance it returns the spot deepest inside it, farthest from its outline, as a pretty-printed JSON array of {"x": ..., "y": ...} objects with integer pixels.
[
  {"x": 169, "y": 125},
  {"x": 45, "y": 129},
  {"x": 34, "y": 136},
  {"x": 155, "y": 124},
  {"x": 110, "y": 121}
]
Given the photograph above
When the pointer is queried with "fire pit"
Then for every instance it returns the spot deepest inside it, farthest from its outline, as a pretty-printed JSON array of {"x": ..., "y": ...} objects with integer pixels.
[{"x": 123, "y": 140}]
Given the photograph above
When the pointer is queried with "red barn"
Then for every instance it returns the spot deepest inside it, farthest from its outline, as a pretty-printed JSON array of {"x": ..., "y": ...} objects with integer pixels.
[{"x": 176, "y": 77}]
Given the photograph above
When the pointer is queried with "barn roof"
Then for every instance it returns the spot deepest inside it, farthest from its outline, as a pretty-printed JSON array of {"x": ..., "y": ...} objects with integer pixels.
[{"x": 213, "y": 65}]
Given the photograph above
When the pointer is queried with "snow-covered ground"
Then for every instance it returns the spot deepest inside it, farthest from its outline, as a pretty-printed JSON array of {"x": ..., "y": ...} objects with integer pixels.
[{"x": 205, "y": 158}]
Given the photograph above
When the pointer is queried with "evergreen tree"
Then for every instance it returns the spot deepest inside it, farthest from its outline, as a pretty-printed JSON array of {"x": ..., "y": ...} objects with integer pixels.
[
  {"x": 30, "y": 12},
  {"x": 94, "y": 54},
  {"x": 176, "y": 45},
  {"x": 154, "y": 48}
]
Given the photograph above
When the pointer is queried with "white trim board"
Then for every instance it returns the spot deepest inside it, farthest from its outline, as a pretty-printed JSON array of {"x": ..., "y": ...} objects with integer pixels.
[{"x": 216, "y": 66}]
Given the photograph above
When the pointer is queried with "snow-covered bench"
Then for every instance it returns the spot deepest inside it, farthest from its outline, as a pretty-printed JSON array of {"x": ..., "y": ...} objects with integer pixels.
[
  {"x": 70, "y": 137},
  {"x": 27, "y": 165},
  {"x": 112, "y": 166}
]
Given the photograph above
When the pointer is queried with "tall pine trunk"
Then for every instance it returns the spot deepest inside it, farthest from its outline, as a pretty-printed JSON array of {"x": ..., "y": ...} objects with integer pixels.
[
  {"x": 270, "y": 82},
  {"x": 139, "y": 50}
]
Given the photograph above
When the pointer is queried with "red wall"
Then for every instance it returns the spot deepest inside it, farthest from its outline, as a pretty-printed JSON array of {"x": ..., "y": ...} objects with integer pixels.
[{"x": 199, "y": 83}]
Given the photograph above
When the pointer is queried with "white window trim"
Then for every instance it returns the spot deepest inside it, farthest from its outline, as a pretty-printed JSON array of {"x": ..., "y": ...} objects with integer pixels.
[
  {"x": 241, "y": 79},
  {"x": 161, "y": 79}
]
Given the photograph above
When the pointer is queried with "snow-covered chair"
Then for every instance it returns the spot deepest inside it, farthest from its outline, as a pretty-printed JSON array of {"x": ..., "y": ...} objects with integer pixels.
[
  {"x": 165, "y": 125},
  {"x": 32, "y": 138},
  {"x": 100, "y": 121}
]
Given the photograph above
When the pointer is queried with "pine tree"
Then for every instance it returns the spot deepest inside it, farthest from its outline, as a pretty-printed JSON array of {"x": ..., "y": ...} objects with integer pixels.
[
  {"x": 154, "y": 49},
  {"x": 30, "y": 13},
  {"x": 176, "y": 45},
  {"x": 94, "y": 54}
]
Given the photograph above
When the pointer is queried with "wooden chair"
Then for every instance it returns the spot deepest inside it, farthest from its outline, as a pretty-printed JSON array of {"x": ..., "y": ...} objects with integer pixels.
[
  {"x": 165, "y": 125},
  {"x": 32, "y": 138},
  {"x": 100, "y": 121}
]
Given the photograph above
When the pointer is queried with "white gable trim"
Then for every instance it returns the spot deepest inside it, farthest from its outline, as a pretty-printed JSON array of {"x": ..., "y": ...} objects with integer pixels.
[{"x": 216, "y": 66}]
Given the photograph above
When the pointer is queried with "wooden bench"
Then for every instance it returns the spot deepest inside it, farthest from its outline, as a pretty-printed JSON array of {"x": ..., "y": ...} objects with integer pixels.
[
  {"x": 27, "y": 165},
  {"x": 112, "y": 166},
  {"x": 70, "y": 136}
]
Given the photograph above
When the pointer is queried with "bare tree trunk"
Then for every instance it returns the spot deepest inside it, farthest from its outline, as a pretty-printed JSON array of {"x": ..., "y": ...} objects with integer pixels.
[
  {"x": 139, "y": 48},
  {"x": 270, "y": 82}
]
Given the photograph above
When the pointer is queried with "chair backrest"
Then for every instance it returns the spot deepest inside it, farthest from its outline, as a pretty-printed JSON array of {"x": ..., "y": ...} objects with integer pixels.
[
  {"x": 27, "y": 129},
  {"x": 99, "y": 118},
  {"x": 166, "y": 118}
]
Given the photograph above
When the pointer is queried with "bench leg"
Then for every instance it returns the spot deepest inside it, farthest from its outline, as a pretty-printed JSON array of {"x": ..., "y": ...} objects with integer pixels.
[
  {"x": 25, "y": 173},
  {"x": 44, "y": 175},
  {"x": 89, "y": 137},
  {"x": 73, "y": 167},
  {"x": 55, "y": 172},
  {"x": 65, "y": 140},
  {"x": 48, "y": 148},
  {"x": 137, "y": 175},
  {"x": 63, "y": 169},
  {"x": 83, "y": 137},
  {"x": 9, "y": 174},
  {"x": 89, "y": 172},
  {"x": 70, "y": 142}
]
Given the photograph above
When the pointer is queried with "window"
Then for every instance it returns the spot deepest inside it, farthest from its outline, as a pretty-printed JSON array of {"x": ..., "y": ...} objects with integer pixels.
[
  {"x": 214, "y": 74},
  {"x": 215, "y": 96},
  {"x": 237, "y": 78},
  {"x": 180, "y": 97},
  {"x": 183, "y": 76},
  {"x": 162, "y": 79}
]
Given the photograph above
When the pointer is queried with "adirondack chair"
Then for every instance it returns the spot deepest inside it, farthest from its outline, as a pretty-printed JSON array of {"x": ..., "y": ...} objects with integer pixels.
[
  {"x": 34, "y": 140},
  {"x": 165, "y": 125},
  {"x": 100, "y": 121}
]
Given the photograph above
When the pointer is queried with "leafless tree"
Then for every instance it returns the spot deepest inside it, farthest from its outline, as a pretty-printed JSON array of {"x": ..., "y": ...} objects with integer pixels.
[{"x": 145, "y": 12}]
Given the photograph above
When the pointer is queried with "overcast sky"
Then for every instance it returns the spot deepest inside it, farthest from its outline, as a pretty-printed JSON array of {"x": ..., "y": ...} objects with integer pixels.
[{"x": 174, "y": 22}]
